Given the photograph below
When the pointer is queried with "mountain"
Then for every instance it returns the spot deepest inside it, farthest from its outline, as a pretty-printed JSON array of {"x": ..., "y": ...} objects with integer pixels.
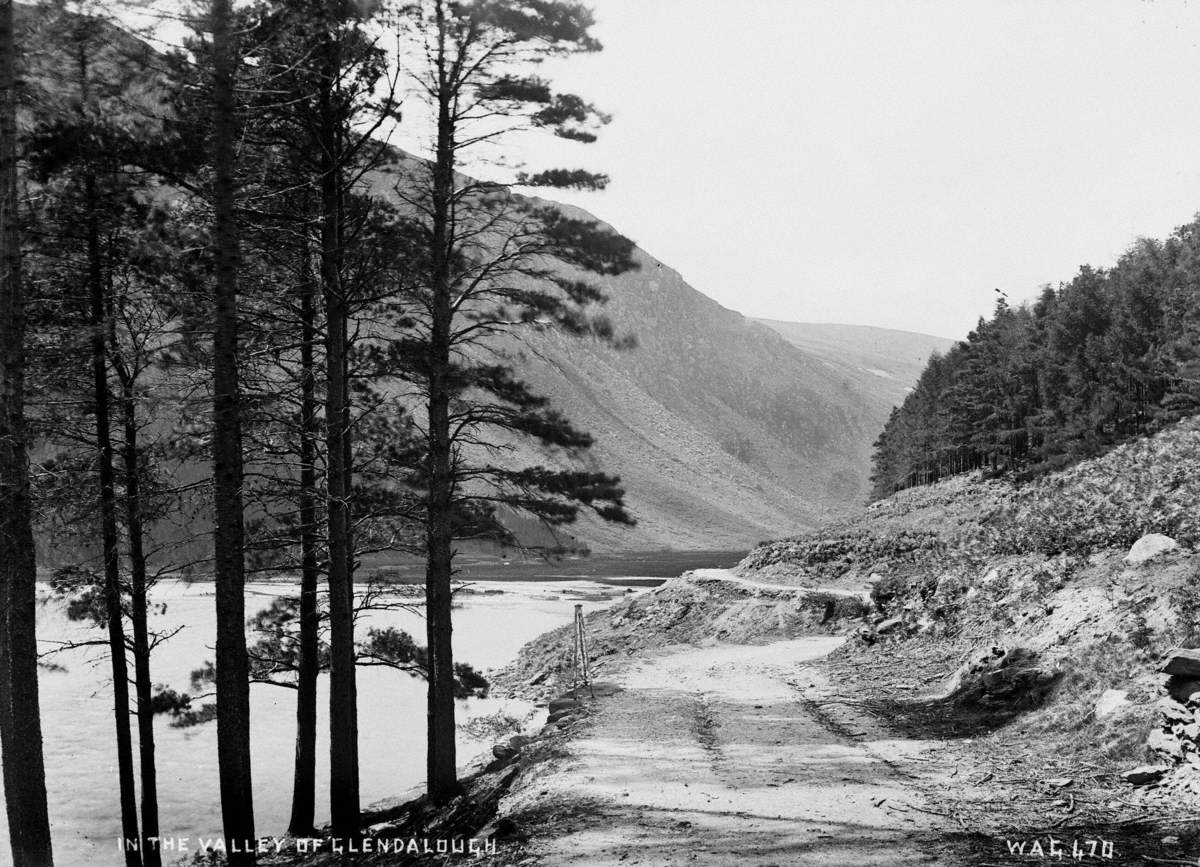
[
  {"x": 892, "y": 359},
  {"x": 724, "y": 430}
]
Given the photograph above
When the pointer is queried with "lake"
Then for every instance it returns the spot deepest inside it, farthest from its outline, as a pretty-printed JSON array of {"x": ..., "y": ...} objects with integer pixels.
[{"x": 489, "y": 629}]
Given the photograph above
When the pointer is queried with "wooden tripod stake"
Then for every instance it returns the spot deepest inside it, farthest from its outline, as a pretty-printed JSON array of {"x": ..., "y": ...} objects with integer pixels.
[{"x": 582, "y": 674}]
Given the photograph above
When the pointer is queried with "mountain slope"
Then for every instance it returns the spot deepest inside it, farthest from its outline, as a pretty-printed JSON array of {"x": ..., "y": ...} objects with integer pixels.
[
  {"x": 896, "y": 357},
  {"x": 723, "y": 431}
]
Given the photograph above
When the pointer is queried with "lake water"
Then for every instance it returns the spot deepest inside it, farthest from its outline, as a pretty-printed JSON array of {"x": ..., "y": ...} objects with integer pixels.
[{"x": 78, "y": 724}]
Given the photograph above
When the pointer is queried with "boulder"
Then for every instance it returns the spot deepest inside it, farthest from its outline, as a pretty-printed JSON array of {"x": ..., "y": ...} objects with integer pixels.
[
  {"x": 1165, "y": 745},
  {"x": 1173, "y": 712},
  {"x": 1148, "y": 547},
  {"x": 1015, "y": 678},
  {"x": 508, "y": 748},
  {"x": 1182, "y": 662},
  {"x": 503, "y": 751},
  {"x": 1110, "y": 700},
  {"x": 890, "y": 625},
  {"x": 1183, "y": 689},
  {"x": 1144, "y": 775}
]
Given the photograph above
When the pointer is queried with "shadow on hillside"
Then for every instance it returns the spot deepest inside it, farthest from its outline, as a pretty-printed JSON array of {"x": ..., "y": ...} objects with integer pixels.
[
  {"x": 941, "y": 718},
  {"x": 988, "y": 695}
]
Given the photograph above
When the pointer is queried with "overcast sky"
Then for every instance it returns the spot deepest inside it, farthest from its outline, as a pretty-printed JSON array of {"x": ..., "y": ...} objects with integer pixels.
[{"x": 891, "y": 162}]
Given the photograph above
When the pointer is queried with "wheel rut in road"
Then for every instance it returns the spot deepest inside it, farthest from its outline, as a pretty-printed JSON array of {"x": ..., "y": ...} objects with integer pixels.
[{"x": 711, "y": 755}]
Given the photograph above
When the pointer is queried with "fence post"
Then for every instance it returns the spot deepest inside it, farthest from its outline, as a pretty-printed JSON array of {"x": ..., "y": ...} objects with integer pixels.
[{"x": 581, "y": 654}]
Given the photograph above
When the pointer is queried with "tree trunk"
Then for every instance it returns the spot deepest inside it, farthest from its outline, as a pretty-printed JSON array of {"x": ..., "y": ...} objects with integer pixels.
[
  {"x": 233, "y": 683},
  {"x": 24, "y": 769},
  {"x": 343, "y": 713},
  {"x": 441, "y": 761},
  {"x": 143, "y": 686},
  {"x": 304, "y": 777},
  {"x": 108, "y": 534}
]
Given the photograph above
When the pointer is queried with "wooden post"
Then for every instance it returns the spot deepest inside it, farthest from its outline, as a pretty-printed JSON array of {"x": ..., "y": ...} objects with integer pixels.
[{"x": 581, "y": 654}]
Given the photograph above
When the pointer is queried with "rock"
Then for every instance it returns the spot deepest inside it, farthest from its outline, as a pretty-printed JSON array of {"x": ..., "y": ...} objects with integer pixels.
[
  {"x": 1183, "y": 689},
  {"x": 499, "y": 828},
  {"x": 509, "y": 748},
  {"x": 1109, "y": 701},
  {"x": 1182, "y": 662},
  {"x": 563, "y": 703},
  {"x": 890, "y": 625},
  {"x": 1173, "y": 712},
  {"x": 503, "y": 751},
  {"x": 1165, "y": 745},
  {"x": 1144, "y": 775},
  {"x": 1148, "y": 547},
  {"x": 1170, "y": 840}
]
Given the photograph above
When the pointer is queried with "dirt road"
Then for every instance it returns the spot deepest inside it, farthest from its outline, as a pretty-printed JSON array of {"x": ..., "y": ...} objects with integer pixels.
[{"x": 712, "y": 755}]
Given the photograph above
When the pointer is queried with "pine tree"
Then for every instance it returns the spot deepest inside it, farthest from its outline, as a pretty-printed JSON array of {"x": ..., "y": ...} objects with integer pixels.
[
  {"x": 232, "y": 663},
  {"x": 20, "y": 715},
  {"x": 479, "y": 259}
]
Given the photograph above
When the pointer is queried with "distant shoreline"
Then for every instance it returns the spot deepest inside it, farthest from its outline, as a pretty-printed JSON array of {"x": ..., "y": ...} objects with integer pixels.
[
  {"x": 634, "y": 569},
  {"x": 639, "y": 568}
]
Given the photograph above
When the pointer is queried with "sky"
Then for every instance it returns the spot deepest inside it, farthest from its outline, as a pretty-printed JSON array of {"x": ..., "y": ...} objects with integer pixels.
[
  {"x": 890, "y": 162},
  {"x": 884, "y": 162}
]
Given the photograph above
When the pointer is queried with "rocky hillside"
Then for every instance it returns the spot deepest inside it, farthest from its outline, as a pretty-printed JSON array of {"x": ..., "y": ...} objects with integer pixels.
[
  {"x": 724, "y": 432},
  {"x": 1045, "y": 615},
  {"x": 1034, "y": 620},
  {"x": 881, "y": 361},
  {"x": 1151, "y": 485}
]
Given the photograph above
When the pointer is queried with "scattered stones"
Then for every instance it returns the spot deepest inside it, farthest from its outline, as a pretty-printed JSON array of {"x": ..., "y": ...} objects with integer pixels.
[
  {"x": 1176, "y": 740},
  {"x": 1148, "y": 547},
  {"x": 1110, "y": 701},
  {"x": 1166, "y": 744},
  {"x": 1145, "y": 774}
]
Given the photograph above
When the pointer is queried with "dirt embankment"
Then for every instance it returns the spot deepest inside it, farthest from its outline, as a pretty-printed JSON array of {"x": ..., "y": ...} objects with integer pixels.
[
  {"x": 729, "y": 731},
  {"x": 699, "y": 607}
]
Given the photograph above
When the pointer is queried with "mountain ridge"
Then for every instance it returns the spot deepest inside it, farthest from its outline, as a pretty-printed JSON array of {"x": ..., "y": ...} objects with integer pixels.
[{"x": 724, "y": 431}]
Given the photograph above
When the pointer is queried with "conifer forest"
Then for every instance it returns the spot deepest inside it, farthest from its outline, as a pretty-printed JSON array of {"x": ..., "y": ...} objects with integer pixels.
[
  {"x": 243, "y": 333},
  {"x": 1107, "y": 357}
]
